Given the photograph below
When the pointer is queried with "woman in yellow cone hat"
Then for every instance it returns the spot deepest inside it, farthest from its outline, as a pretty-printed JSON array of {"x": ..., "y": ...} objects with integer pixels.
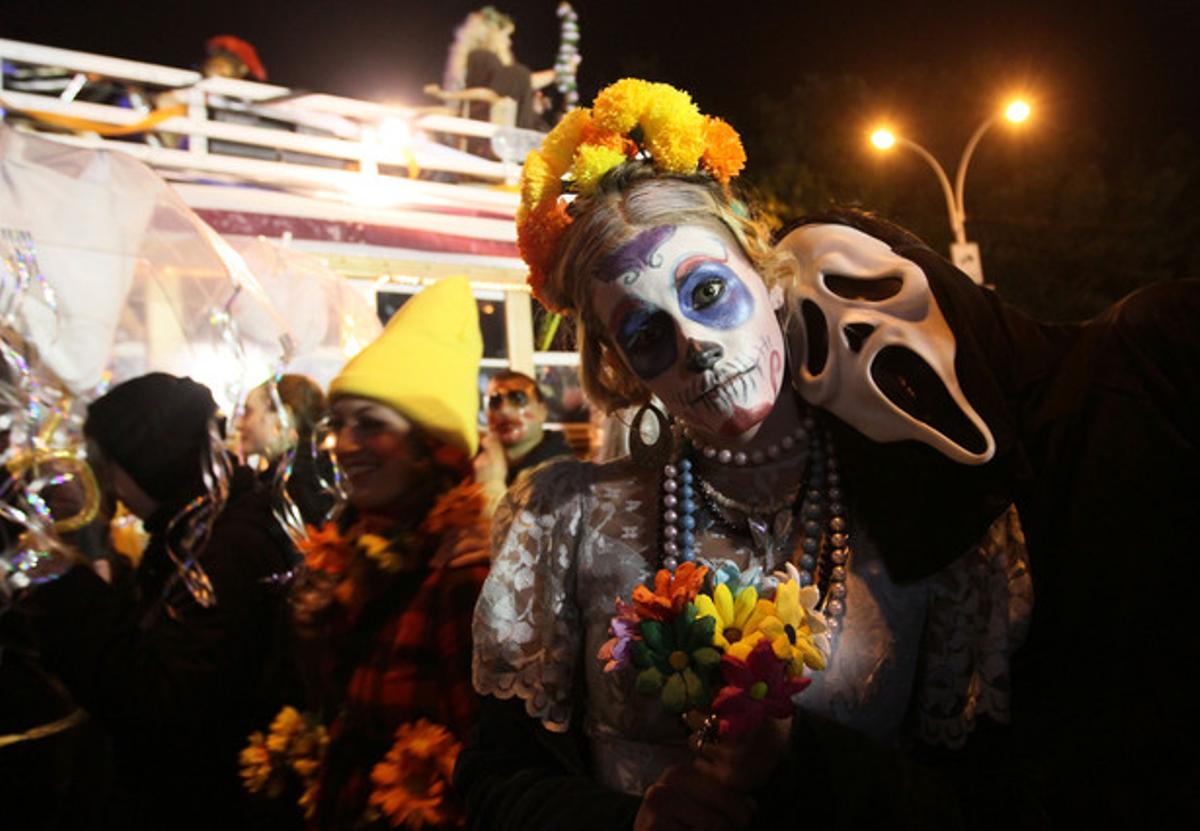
[{"x": 382, "y": 606}]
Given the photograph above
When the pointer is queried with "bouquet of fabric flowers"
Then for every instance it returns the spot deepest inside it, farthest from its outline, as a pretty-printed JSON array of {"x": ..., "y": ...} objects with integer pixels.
[{"x": 722, "y": 643}]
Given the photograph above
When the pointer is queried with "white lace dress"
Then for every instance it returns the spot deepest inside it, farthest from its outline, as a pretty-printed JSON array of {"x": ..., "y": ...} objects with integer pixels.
[{"x": 574, "y": 536}]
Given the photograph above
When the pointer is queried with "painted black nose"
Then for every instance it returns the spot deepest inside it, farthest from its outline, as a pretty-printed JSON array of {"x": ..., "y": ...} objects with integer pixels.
[{"x": 703, "y": 355}]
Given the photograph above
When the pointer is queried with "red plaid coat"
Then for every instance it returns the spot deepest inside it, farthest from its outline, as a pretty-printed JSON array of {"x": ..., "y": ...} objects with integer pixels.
[{"x": 407, "y": 656}]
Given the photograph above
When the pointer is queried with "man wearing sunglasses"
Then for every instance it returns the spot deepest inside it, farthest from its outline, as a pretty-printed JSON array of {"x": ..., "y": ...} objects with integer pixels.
[{"x": 516, "y": 414}]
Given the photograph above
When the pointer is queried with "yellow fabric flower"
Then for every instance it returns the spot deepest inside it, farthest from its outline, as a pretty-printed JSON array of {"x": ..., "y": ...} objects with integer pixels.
[
  {"x": 538, "y": 181},
  {"x": 380, "y": 550},
  {"x": 255, "y": 763},
  {"x": 731, "y": 615},
  {"x": 790, "y": 628},
  {"x": 620, "y": 106},
  {"x": 286, "y": 726},
  {"x": 674, "y": 130},
  {"x": 558, "y": 147},
  {"x": 591, "y": 163}
]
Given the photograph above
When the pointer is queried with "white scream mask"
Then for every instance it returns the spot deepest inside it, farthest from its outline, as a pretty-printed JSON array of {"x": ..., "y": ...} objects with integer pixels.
[{"x": 876, "y": 349}]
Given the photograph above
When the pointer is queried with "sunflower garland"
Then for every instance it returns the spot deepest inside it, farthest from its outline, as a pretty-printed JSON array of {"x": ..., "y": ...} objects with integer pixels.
[{"x": 629, "y": 119}]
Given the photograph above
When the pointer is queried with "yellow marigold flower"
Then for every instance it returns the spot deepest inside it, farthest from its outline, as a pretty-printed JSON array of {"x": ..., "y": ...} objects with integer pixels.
[
  {"x": 674, "y": 130},
  {"x": 791, "y": 628},
  {"x": 723, "y": 156},
  {"x": 730, "y": 613},
  {"x": 591, "y": 163},
  {"x": 558, "y": 147},
  {"x": 620, "y": 106},
  {"x": 538, "y": 181}
]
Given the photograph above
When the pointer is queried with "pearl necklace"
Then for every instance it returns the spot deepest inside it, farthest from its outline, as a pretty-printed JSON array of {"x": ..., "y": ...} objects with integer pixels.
[
  {"x": 822, "y": 544},
  {"x": 740, "y": 458}
]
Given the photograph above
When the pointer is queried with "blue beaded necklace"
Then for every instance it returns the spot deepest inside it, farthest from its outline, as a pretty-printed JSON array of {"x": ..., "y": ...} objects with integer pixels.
[{"x": 821, "y": 552}]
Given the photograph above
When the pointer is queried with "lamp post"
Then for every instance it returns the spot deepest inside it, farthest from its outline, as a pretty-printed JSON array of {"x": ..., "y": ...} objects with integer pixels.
[{"x": 963, "y": 253}]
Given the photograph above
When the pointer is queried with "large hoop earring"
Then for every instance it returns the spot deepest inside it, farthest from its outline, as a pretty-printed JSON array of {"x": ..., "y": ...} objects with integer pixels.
[{"x": 651, "y": 456}]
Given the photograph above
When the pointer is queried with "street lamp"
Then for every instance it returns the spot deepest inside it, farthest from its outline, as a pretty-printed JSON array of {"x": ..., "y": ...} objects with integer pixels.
[{"x": 963, "y": 253}]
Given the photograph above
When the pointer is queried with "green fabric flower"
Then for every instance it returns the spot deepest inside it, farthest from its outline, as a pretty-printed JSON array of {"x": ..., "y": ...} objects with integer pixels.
[{"x": 677, "y": 660}]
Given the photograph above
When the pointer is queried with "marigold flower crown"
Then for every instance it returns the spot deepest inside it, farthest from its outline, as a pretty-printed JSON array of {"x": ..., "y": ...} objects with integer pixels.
[{"x": 629, "y": 119}]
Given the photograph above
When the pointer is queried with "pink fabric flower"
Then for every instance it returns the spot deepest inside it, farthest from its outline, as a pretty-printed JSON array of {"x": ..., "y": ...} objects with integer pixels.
[
  {"x": 624, "y": 630},
  {"x": 754, "y": 689}
]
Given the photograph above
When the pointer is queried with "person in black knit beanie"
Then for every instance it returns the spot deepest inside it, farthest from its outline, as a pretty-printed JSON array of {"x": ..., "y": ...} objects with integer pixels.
[{"x": 177, "y": 682}]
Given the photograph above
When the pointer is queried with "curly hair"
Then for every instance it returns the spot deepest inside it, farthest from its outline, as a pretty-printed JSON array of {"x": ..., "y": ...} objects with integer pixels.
[{"x": 631, "y": 198}]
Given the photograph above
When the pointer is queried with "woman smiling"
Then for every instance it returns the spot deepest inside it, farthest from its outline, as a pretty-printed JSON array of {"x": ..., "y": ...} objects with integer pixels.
[{"x": 383, "y": 605}]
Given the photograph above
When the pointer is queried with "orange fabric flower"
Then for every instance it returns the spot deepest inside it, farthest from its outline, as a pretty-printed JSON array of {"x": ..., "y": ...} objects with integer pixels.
[
  {"x": 412, "y": 782},
  {"x": 672, "y": 591},
  {"x": 325, "y": 549},
  {"x": 724, "y": 156},
  {"x": 539, "y": 233}
]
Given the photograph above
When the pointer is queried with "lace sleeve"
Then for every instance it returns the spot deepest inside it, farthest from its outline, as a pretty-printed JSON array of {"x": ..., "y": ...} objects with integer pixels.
[{"x": 527, "y": 629}]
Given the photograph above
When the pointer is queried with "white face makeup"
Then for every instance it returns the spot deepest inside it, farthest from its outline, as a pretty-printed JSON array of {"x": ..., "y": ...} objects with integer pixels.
[
  {"x": 877, "y": 351},
  {"x": 693, "y": 320}
]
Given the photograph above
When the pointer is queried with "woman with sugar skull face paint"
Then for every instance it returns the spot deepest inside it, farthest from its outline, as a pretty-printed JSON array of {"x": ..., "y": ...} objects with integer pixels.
[{"x": 678, "y": 298}]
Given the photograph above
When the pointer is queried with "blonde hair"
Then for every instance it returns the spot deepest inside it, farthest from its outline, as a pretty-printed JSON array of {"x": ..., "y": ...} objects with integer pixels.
[
  {"x": 632, "y": 198},
  {"x": 484, "y": 29}
]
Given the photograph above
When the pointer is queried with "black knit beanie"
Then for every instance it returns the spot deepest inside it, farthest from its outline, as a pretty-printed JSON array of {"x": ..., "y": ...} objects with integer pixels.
[{"x": 156, "y": 428}]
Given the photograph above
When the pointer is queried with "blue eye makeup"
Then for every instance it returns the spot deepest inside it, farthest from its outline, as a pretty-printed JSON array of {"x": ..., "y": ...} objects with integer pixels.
[
  {"x": 712, "y": 294},
  {"x": 647, "y": 337}
]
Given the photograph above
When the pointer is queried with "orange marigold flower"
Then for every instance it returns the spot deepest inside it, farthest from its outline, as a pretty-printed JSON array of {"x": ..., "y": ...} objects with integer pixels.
[
  {"x": 672, "y": 591},
  {"x": 558, "y": 147},
  {"x": 723, "y": 155},
  {"x": 620, "y": 106},
  {"x": 325, "y": 549},
  {"x": 410, "y": 785},
  {"x": 539, "y": 232}
]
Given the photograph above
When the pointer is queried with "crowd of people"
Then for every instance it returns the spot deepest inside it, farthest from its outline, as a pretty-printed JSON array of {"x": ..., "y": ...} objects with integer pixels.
[{"x": 834, "y": 422}]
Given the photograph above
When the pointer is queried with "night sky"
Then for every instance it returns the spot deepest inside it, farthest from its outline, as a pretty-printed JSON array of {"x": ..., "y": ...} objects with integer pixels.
[{"x": 1121, "y": 67}]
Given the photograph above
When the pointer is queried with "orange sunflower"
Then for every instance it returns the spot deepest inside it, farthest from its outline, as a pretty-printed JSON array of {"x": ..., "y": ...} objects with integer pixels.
[{"x": 411, "y": 784}]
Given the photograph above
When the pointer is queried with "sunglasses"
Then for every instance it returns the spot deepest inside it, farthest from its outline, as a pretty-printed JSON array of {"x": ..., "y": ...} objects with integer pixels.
[{"x": 517, "y": 398}]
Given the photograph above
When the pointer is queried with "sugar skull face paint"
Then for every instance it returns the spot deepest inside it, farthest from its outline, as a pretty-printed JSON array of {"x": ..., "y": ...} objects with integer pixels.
[{"x": 693, "y": 320}]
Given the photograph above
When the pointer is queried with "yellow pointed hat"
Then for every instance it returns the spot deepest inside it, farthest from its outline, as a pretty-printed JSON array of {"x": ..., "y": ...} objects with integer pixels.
[{"x": 425, "y": 364}]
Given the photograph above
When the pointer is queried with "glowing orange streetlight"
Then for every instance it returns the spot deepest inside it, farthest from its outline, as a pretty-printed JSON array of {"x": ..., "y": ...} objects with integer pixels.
[{"x": 965, "y": 254}]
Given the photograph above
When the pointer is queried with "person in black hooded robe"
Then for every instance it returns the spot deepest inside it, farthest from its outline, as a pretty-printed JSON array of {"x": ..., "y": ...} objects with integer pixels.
[{"x": 1091, "y": 430}]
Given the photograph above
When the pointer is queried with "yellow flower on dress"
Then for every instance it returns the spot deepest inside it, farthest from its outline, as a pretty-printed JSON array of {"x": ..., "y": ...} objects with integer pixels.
[
  {"x": 795, "y": 629},
  {"x": 731, "y": 615},
  {"x": 620, "y": 106},
  {"x": 558, "y": 147},
  {"x": 411, "y": 784},
  {"x": 591, "y": 163}
]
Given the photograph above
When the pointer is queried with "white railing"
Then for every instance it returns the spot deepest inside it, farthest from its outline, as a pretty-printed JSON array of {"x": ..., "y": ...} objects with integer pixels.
[{"x": 228, "y": 126}]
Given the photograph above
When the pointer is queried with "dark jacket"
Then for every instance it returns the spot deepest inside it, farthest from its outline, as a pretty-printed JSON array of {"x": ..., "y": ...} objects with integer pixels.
[
  {"x": 553, "y": 444},
  {"x": 177, "y": 685}
]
